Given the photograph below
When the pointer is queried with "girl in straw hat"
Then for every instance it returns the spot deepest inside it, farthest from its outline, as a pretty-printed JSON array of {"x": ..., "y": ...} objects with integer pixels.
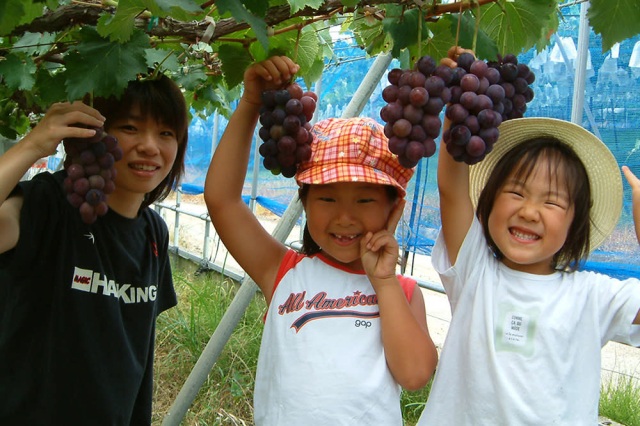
[
  {"x": 527, "y": 327},
  {"x": 343, "y": 333}
]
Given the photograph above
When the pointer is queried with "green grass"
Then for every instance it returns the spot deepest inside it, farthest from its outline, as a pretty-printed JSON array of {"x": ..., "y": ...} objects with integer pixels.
[
  {"x": 620, "y": 400},
  {"x": 226, "y": 398},
  {"x": 184, "y": 331}
]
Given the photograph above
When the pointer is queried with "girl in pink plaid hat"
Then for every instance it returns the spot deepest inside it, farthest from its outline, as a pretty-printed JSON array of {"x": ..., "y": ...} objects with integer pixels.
[{"x": 343, "y": 333}]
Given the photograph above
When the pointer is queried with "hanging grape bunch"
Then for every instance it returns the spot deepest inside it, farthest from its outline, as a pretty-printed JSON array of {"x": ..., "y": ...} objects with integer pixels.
[
  {"x": 486, "y": 94},
  {"x": 414, "y": 99},
  {"x": 286, "y": 129},
  {"x": 90, "y": 173},
  {"x": 516, "y": 79}
]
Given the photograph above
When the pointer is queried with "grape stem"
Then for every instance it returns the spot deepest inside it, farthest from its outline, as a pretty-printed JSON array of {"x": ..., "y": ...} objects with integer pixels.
[
  {"x": 458, "y": 27},
  {"x": 420, "y": 20},
  {"x": 476, "y": 29},
  {"x": 295, "y": 49}
]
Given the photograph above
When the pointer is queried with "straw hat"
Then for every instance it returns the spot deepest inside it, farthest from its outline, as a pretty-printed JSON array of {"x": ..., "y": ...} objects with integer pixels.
[
  {"x": 601, "y": 166},
  {"x": 352, "y": 150}
]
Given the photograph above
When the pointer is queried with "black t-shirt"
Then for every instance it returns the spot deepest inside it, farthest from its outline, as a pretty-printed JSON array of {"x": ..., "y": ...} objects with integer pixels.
[{"x": 78, "y": 306}]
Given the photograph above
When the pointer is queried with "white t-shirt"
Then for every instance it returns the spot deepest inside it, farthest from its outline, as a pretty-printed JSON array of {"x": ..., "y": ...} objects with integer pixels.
[
  {"x": 321, "y": 360},
  {"x": 524, "y": 349}
]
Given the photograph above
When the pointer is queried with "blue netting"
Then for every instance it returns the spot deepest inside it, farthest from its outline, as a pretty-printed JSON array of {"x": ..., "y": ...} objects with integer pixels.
[{"x": 612, "y": 106}]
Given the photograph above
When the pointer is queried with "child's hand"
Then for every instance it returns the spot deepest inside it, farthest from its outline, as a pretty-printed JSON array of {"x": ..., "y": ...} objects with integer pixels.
[
  {"x": 379, "y": 251},
  {"x": 61, "y": 122},
  {"x": 272, "y": 73},
  {"x": 452, "y": 56},
  {"x": 634, "y": 182}
]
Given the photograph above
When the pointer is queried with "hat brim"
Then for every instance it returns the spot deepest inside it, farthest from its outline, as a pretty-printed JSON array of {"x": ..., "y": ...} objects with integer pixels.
[
  {"x": 602, "y": 168},
  {"x": 320, "y": 175}
]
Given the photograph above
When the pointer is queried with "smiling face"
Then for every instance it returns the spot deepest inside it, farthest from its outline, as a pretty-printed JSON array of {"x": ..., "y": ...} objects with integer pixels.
[
  {"x": 149, "y": 151},
  {"x": 531, "y": 218},
  {"x": 147, "y": 101},
  {"x": 340, "y": 214}
]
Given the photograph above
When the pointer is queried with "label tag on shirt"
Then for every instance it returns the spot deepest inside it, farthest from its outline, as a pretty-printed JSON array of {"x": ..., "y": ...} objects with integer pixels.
[{"x": 515, "y": 329}]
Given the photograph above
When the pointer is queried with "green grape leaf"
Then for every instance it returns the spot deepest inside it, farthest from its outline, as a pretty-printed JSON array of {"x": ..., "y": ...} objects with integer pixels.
[
  {"x": 369, "y": 34},
  {"x": 174, "y": 6},
  {"x": 402, "y": 26},
  {"x": 102, "y": 67},
  {"x": 314, "y": 73},
  {"x": 18, "y": 72},
  {"x": 485, "y": 47},
  {"x": 297, "y": 5},
  {"x": 437, "y": 44},
  {"x": 308, "y": 50},
  {"x": 13, "y": 121},
  {"x": 166, "y": 58},
  {"x": 350, "y": 3},
  {"x": 517, "y": 26},
  {"x": 241, "y": 14},
  {"x": 615, "y": 20},
  {"x": 405, "y": 59},
  {"x": 11, "y": 12},
  {"x": 34, "y": 43},
  {"x": 50, "y": 88},
  {"x": 191, "y": 78},
  {"x": 120, "y": 26},
  {"x": 257, "y": 7},
  {"x": 235, "y": 61},
  {"x": 14, "y": 13}
]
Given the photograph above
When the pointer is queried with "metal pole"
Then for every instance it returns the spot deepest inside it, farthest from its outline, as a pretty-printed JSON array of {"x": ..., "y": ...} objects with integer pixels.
[
  {"x": 581, "y": 66},
  {"x": 587, "y": 111},
  {"x": 368, "y": 85}
]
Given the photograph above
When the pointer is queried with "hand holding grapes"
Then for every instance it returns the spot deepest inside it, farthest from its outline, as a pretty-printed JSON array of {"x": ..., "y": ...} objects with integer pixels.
[
  {"x": 285, "y": 114},
  {"x": 61, "y": 122},
  {"x": 273, "y": 73},
  {"x": 452, "y": 56}
]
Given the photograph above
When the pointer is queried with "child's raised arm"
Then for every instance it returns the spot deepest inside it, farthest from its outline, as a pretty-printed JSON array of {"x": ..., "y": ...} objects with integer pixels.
[
  {"x": 59, "y": 122},
  {"x": 257, "y": 252},
  {"x": 634, "y": 182},
  {"x": 456, "y": 209}
]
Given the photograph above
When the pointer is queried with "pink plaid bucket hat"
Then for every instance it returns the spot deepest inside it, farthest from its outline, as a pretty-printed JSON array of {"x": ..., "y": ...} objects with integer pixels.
[{"x": 352, "y": 150}]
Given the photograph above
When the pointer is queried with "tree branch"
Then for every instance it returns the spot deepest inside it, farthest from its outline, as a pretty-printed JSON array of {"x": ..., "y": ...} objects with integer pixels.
[{"x": 71, "y": 15}]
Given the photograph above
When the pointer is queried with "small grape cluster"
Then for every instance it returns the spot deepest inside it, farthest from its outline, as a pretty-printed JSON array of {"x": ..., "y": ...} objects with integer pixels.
[
  {"x": 90, "y": 173},
  {"x": 487, "y": 94},
  {"x": 414, "y": 99},
  {"x": 516, "y": 79},
  {"x": 285, "y": 128}
]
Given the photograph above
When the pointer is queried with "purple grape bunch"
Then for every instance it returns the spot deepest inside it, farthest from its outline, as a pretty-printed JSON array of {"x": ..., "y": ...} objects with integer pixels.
[
  {"x": 89, "y": 164},
  {"x": 285, "y": 128},
  {"x": 414, "y": 99},
  {"x": 485, "y": 95}
]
